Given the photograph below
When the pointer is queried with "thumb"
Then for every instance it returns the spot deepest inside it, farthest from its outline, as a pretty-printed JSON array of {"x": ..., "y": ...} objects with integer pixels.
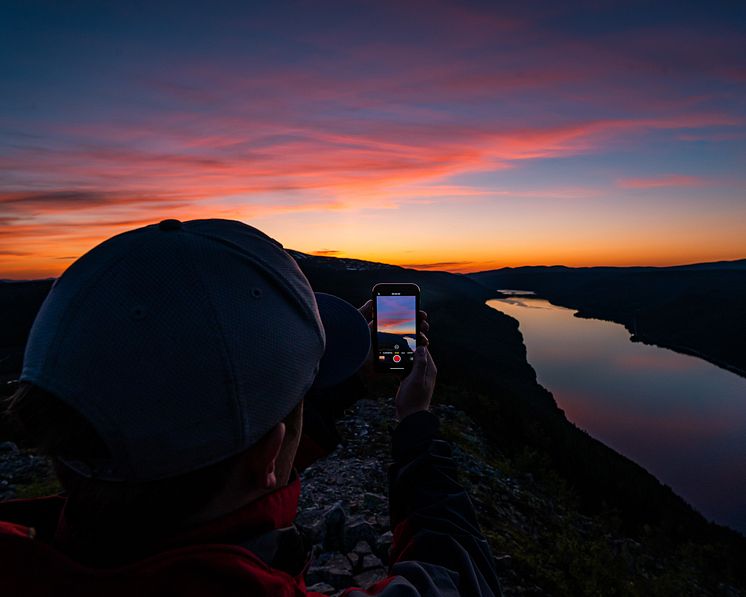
[{"x": 420, "y": 360}]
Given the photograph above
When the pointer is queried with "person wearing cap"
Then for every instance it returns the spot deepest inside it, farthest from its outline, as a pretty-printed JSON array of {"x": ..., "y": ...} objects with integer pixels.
[{"x": 179, "y": 376}]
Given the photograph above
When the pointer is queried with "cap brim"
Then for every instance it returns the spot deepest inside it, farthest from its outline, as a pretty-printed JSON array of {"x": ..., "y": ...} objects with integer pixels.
[{"x": 347, "y": 340}]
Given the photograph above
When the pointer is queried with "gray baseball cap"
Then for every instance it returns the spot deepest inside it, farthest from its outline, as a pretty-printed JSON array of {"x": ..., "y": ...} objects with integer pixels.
[{"x": 183, "y": 343}]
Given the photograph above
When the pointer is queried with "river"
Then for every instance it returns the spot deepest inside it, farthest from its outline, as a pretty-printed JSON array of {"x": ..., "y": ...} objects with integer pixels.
[{"x": 680, "y": 417}]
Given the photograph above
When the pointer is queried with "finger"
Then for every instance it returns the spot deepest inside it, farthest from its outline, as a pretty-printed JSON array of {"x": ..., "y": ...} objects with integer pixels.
[
  {"x": 431, "y": 368},
  {"x": 424, "y": 326},
  {"x": 421, "y": 315},
  {"x": 419, "y": 365},
  {"x": 423, "y": 339},
  {"x": 367, "y": 310}
]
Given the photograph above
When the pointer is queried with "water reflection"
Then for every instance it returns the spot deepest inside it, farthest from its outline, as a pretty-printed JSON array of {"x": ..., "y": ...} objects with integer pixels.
[{"x": 680, "y": 417}]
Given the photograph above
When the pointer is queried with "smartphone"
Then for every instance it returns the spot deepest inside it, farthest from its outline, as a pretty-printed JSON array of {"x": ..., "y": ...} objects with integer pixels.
[{"x": 396, "y": 326}]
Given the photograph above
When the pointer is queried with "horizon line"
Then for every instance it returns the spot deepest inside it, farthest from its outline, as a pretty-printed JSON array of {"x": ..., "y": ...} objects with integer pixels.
[{"x": 423, "y": 267}]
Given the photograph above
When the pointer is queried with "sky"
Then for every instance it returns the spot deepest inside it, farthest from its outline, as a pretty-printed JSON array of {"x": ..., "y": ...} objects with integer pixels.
[
  {"x": 438, "y": 135},
  {"x": 396, "y": 314}
]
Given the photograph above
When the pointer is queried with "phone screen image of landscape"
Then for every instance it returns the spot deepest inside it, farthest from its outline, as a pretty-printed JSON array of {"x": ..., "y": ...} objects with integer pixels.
[{"x": 396, "y": 330}]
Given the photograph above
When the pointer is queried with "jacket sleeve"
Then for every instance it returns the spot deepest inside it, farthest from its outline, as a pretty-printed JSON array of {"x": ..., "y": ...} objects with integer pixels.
[{"x": 438, "y": 548}]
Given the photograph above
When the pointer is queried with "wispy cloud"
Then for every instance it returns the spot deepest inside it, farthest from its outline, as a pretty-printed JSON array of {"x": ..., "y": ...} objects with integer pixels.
[
  {"x": 438, "y": 265},
  {"x": 656, "y": 182}
]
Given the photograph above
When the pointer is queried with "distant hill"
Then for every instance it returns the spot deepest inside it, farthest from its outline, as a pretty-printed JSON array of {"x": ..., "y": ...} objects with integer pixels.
[
  {"x": 491, "y": 380},
  {"x": 697, "y": 309},
  {"x": 391, "y": 340},
  {"x": 19, "y": 303}
]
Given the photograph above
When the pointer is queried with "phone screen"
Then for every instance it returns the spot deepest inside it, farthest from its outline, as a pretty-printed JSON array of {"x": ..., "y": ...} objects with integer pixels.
[{"x": 396, "y": 329}]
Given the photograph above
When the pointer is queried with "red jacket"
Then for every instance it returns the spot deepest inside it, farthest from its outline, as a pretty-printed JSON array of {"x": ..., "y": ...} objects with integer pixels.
[
  {"x": 202, "y": 561},
  {"x": 197, "y": 562}
]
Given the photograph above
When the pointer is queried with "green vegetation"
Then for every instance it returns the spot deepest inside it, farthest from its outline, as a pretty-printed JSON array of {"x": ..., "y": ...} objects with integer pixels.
[
  {"x": 528, "y": 511},
  {"x": 38, "y": 488}
]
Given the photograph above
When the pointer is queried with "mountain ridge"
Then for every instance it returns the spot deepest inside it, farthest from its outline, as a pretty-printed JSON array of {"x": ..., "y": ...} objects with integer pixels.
[{"x": 670, "y": 307}]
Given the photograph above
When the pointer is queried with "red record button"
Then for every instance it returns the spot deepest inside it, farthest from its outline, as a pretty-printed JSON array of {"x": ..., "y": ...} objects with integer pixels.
[{"x": 397, "y": 358}]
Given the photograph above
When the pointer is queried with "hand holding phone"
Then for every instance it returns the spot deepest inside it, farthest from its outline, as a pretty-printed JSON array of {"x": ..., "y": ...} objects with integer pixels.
[
  {"x": 416, "y": 389},
  {"x": 396, "y": 325}
]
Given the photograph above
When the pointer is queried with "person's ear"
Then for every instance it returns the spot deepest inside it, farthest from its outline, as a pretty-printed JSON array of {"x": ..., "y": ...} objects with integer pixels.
[{"x": 272, "y": 447}]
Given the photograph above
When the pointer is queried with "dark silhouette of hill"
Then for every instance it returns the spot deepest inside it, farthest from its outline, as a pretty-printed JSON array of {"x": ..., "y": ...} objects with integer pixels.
[
  {"x": 390, "y": 340},
  {"x": 484, "y": 372},
  {"x": 696, "y": 309},
  {"x": 19, "y": 303}
]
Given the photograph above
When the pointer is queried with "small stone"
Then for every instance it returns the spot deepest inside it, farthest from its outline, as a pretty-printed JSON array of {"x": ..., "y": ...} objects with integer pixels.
[
  {"x": 354, "y": 559},
  {"x": 320, "y": 587},
  {"x": 371, "y": 561},
  {"x": 336, "y": 570},
  {"x": 383, "y": 520},
  {"x": 373, "y": 501},
  {"x": 369, "y": 577},
  {"x": 384, "y": 541},
  {"x": 339, "y": 561},
  {"x": 316, "y": 532},
  {"x": 503, "y": 563},
  {"x": 360, "y": 530},
  {"x": 362, "y": 548},
  {"x": 334, "y": 518},
  {"x": 8, "y": 448},
  {"x": 340, "y": 577}
]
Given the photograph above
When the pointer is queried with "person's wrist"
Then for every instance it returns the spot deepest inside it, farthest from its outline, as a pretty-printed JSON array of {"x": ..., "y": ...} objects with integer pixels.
[{"x": 402, "y": 414}]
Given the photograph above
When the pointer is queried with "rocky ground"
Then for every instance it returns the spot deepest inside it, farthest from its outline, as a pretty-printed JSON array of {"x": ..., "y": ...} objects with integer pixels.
[
  {"x": 23, "y": 473},
  {"x": 543, "y": 544},
  {"x": 344, "y": 503},
  {"x": 344, "y": 500}
]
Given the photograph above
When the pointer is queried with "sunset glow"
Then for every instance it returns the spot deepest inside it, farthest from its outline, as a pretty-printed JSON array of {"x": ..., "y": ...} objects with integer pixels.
[
  {"x": 396, "y": 315},
  {"x": 434, "y": 135}
]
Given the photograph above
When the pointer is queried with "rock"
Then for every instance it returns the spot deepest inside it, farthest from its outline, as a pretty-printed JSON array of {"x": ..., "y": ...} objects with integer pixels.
[
  {"x": 20, "y": 467},
  {"x": 334, "y": 534},
  {"x": 383, "y": 544},
  {"x": 369, "y": 577},
  {"x": 337, "y": 571},
  {"x": 362, "y": 548},
  {"x": 7, "y": 493},
  {"x": 383, "y": 521},
  {"x": 312, "y": 524},
  {"x": 360, "y": 530},
  {"x": 371, "y": 561},
  {"x": 374, "y": 501},
  {"x": 8, "y": 448},
  {"x": 321, "y": 587},
  {"x": 503, "y": 563},
  {"x": 316, "y": 532},
  {"x": 354, "y": 560}
]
